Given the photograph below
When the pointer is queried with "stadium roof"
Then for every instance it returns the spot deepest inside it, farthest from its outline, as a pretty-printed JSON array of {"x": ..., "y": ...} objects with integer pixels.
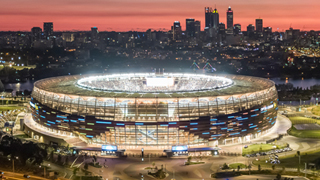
[{"x": 67, "y": 85}]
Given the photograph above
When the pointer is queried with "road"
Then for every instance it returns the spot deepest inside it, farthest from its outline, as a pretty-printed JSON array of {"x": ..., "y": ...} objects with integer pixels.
[{"x": 18, "y": 176}]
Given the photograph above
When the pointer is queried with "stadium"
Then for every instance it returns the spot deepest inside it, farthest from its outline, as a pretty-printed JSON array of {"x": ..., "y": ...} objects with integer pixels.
[{"x": 156, "y": 110}]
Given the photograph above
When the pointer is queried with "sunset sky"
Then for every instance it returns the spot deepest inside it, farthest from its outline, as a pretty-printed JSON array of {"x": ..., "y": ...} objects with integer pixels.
[{"x": 140, "y": 15}]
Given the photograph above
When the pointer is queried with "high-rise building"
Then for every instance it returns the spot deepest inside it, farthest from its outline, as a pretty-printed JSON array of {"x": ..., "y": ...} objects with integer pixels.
[
  {"x": 176, "y": 31},
  {"x": 215, "y": 19},
  {"x": 208, "y": 16},
  {"x": 36, "y": 33},
  {"x": 197, "y": 28},
  {"x": 250, "y": 28},
  {"x": 229, "y": 21},
  {"x": 237, "y": 29},
  {"x": 259, "y": 25},
  {"x": 222, "y": 28},
  {"x": 94, "y": 33},
  {"x": 48, "y": 29},
  {"x": 190, "y": 27}
]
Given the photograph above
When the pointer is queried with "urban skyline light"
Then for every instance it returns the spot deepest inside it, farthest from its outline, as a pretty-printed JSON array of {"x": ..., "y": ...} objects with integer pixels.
[{"x": 142, "y": 15}]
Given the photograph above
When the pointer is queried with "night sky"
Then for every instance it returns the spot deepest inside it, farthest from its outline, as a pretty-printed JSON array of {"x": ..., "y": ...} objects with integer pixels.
[{"x": 140, "y": 15}]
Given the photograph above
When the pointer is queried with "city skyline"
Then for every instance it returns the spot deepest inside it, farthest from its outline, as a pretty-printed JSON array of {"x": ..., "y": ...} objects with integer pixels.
[{"x": 82, "y": 15}]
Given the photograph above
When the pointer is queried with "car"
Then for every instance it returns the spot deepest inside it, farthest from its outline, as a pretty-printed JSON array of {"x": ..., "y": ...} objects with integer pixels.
[
  {"x": 1, "y": 172},
  {"x": 26, "y": 176},
  {"x": 3, "y": 177}
]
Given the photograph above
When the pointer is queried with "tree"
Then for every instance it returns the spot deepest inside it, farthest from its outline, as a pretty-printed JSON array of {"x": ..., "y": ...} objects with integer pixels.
[
  {"x": 59, "y": 158},
  {"x": 189, "y": 159},
  {"x": 86, "y": 166},
  {"x": 51, "y": 156},
  {"x": 75, "y": 171},
  {"x": 278, "y": 176},
  {"x": 259, "y": 167},
  {"x": 66, "y": 161},
  {"x": 273, "y": 167},
  {"x": 238, "y": 168},
  {"x": 225, "y": 166},
  {"x": 153, "y": 164}
]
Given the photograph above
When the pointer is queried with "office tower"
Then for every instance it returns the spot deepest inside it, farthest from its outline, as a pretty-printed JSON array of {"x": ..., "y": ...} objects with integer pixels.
[
  {"x": 215, "y": 19},
  {"x": 259, "y": 25},
  {"x": 250, "y": 28},
  {"x": 68, "y": 36},
  {"x": 190, "y": 27},
  {"x": 197, "y": 28},
  {"x": 48, "y": 29},
  {"x": 229, "y": 21},
  {"x": 36, "y": 33},
  {"x": 208, "y": 16},
  {"x": 176, "y": 30},
  {"x": 94, "y": 33},
  {"x": 222, "y": 28},
  {"x": 237, "y": 29}
]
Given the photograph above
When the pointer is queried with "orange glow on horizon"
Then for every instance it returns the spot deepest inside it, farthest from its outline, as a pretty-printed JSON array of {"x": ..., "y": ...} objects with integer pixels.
[{"x": 140, "y": 15}]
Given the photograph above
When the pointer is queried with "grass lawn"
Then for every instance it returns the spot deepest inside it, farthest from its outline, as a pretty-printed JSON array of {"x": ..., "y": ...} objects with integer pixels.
[
  {"x": 292, "y": 161},
  {"x": 316, "y": 110},
  {"x": 6, "y": 108},
  {"x": 191, "y": 163},
  {"x": 255, "y": 148},
  {"x": 303, "y": 120},
  {"x": 304, "y": 133},
  {"x": 235, "y": 166},
  {"x": 21, "y": 136}
]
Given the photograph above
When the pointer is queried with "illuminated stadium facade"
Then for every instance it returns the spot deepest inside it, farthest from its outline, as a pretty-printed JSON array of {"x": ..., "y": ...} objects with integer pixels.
[{"x": 156, "y": 110}]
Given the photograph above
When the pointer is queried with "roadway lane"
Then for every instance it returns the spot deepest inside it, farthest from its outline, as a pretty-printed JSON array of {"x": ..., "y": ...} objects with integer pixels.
[{"x": 19, "y": 176}]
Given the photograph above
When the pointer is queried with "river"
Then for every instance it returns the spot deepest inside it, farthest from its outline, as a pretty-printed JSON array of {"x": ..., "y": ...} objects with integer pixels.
[{"x": 28, "y": 85}]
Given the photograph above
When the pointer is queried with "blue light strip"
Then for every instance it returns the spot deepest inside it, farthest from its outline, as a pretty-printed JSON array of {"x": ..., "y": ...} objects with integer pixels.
[
  {"x": 102, "y": 122},
  {"x": 234, "y": 134},
  {"x": 193, "y": 123},
  {"x": 215, "y": 124},
  {"x": 120, "y": 124},
  {"x": 254, "y": 115},
  {"x": 213, "y": 119},
  {"x": 51, "y": 122},
  {"x": 61, "y": 117},
  {"x": 172, "y": 123},
  {"x": 74, "y": 121},
  {"x": 139, "y": 124},
  {"x": 253, "y": 126},
  {"x": 89, "y": 136},
  {"x": 242, "y": 119},
  {"x": 217, "y": 135},
  {"x": 243, "y": 130},
  {"x": 206, "y": 133}
]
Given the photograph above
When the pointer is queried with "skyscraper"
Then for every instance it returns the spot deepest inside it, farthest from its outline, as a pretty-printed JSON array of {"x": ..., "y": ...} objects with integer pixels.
[
  {"x": 176, "y": 30},
  {"x": 250, "y": 28},
  {"x": 259, "y": 25},
  {"x": 237, "y": 29},
  {"x": 222, "y": 28},
  {"x": 190, "y": 27},
  {"x": 197, "y": 28},
  {"x": 215, "y": 19},
  {"x": 208, "y": 17},
  {"x": 229, "y": 21},
  {"x": 94, "y": 33},
  {"x": 48, "y": 29},
  {"x": 36, "y": 33}
]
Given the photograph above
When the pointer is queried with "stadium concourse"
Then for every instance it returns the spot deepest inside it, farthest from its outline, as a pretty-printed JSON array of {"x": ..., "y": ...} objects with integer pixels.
[{"x": 154, "y": 111}]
